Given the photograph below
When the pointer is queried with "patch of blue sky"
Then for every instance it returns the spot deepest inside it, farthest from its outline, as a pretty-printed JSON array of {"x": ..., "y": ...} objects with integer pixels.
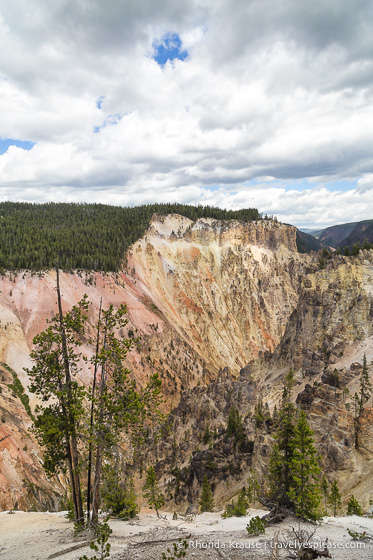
[
  {"x": 168, "y": 48},
  {"x": 100, "y": 101},
  {"x": 110, "y": 120},
  {"x": 212, "y": 188},
  {"x": 305, "y": 184},
  {"x": 6, "y": 142},
  {"x": 341, "y": 185}
]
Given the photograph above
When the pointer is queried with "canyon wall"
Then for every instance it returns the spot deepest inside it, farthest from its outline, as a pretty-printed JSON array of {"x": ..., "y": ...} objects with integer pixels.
[{"x": 205, "y": 299}]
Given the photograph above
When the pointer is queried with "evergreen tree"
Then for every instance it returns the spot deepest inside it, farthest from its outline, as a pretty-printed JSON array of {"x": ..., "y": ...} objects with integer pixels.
[
  {"x": 207, "y": 434},
  {"x": 59, "y": 425},
  {"x": 118, "y": 494},
  {"x": 112, "y": 405},
  {"x": 305, "y": 470},
  {"x": 334, "y": 498},
  {"x": 239, "y": 508},
  {"x": 325, "y": 491},
  {"x": 335, "y": 379},
  {"x": 353, "y": 507},
  {"x": 275, "y": 415},
  {"x": 151, "y": 491},
  {"x": 235, "y": 427},
  {"x": 282, "y": 451},
  {"x": 365, "y": 386},
  {"x": 253, "y": 488},
  {"x": 261, "y": 413},
  {"x": 207, "y": 501},
  {"x": 233, "y": 421}
]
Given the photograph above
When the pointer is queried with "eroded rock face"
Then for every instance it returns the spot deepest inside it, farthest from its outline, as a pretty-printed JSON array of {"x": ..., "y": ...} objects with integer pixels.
[
  {"x": 185, "y": 456},
  {"x": 23, "y": 483},
  {"x": 205, "y": 299},
  {"x": 334, "y": 309},
  {"x": 365, "y": 433},
  {"x": 229, "y": 289}
]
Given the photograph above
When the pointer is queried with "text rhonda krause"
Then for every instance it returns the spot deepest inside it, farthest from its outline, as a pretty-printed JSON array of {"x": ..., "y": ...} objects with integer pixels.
[{"x": 270, "y": 544}]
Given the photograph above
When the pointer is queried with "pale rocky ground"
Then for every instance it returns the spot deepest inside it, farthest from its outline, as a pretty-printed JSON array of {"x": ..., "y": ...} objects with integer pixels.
[{"x": 44, "y": 536}]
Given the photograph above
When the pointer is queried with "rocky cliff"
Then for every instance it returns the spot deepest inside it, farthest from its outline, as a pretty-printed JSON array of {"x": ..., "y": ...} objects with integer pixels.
[
  {"x": 324, "y": 341},
  {"x": 226, "y": 288},
  {"x": 201, "y": 296}
]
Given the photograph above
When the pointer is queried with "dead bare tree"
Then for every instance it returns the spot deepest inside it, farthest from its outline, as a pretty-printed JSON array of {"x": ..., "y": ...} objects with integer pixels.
[{"x": 300, "y": 545}]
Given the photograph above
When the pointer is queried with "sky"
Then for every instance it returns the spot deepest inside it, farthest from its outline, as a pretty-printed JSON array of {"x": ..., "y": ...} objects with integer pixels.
[{"x": 239, "y": 103}]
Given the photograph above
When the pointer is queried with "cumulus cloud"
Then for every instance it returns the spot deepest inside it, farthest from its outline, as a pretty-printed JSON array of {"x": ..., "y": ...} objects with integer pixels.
[{"x": 280, "y": 91}]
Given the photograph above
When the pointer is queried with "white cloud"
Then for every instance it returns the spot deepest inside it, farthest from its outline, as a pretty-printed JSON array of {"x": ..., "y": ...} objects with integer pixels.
[{"x": 282, "y": 90}]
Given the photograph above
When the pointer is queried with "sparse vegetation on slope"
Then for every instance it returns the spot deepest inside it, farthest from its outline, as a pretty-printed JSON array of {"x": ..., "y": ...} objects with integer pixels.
[{"x": 18, "y": 389}]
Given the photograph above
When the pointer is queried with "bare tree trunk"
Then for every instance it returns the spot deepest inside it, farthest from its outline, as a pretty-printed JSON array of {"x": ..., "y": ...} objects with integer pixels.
[
  {"x": 71, "y": 444},
  {"x": 71, "y": 473},
  {"x": 91, "y": 420},
  {"x": 96, "y": 487}
]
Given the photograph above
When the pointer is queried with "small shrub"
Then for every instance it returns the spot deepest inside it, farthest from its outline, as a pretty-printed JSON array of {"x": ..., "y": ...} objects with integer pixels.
[
  {"x": 356, "y": 536},
  {"x": 256, "y": 527},
  {"x": 179, "y": 551},
  {"x": 67, "y": 505},
  {"x": 101, "y": 545},
  {"x": 118, "y": 495},
  {"x": 353, "y": 507},
  {"x": 237, "y": 509}
]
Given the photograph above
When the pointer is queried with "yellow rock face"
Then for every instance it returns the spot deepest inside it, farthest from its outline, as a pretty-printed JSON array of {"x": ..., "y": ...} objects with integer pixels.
[{"x": 227, "y": 290}]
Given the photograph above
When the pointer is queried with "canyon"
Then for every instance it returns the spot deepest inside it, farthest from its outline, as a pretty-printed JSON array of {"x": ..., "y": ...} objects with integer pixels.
[{"x": 222, "y": 311}]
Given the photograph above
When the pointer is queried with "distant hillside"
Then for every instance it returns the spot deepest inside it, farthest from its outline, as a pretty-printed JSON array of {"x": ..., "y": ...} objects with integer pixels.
[
  {"x": 334, "y": 235},
  {"x": 311, "y": 231},
  {"x": 307, "y": 243},
  {"x": 347, "y": 235},
  {"x": 362, "y": 233},
  {"x": 316, "y": 233}
]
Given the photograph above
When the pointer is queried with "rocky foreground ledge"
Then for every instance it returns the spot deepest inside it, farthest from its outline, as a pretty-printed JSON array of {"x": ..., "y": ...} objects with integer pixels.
[{"x": 46, "y": 536}]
